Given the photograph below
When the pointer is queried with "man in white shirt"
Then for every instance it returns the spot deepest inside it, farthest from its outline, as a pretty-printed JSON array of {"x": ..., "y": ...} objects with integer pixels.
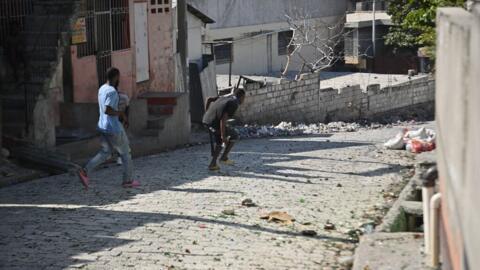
[{"x": 113, "y": 136}]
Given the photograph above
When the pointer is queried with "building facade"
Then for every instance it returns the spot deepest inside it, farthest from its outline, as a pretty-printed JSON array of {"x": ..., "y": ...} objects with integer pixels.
[
  {"x": 71, "y": 44},
  {"x": 253, "y": 36}
]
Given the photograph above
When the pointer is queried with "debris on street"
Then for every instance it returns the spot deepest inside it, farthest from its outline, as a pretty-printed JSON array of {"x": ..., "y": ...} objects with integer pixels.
[
  {"x": 309, "y": 233},
  {"x": 228, "y": 212},
  {"x": 329, "y": 226},
  {"x": 248, "y": 203},
  {"x": 415, "y": 141},
  {"x": 290, "y": 129},
  {"x": 279, "y": 217}
]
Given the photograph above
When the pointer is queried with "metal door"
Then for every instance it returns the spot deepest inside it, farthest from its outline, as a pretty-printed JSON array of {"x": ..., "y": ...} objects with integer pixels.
[
  {"x": 103, "y": 38},
  {"x": 141, "y": 42}
]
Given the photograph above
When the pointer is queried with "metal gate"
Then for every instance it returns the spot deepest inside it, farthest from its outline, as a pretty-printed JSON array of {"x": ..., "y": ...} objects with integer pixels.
[
  {"x": 107, "y": 23},
  {"x": 13, "y": 11},
  {"x": 103, "y": 34}
]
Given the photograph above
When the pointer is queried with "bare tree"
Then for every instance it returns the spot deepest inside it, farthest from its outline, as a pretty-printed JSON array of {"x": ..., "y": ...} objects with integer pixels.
[{"x": 316, "y": 43}]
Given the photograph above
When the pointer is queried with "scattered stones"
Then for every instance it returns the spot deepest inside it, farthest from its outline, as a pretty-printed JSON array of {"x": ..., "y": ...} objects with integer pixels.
[
  {"x": 329, "y": 226},
  {"x": 309, "y": 233},
  {"x": 345, "y": 260},
  {"x": 248, "y": 203},
  {"x": 279, "y": 217},
  {"x": 5, "y": 153},
  {"x": 290, "y": 129},
  {"x": 229, "y": 212}
]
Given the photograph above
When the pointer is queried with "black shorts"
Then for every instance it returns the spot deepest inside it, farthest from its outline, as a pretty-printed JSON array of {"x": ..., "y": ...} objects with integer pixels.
[{"x": 231, "y": 134}]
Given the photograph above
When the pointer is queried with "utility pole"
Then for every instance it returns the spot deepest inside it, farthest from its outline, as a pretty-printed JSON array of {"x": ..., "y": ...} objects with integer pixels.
[
  {"x": 374, "y": 46},
  {"x": 182, "y": 41}
]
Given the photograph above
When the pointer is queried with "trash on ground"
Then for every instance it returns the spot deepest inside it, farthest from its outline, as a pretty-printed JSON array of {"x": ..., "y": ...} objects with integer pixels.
[
  {"x": 228, "y": 212},
  {"x": 279, "y": 217},
  {"x": 415, "y": 141},
  {"x": 309, "y": 233},
  {"x": 329, "y": 226},
  {"x": 248, "y": 203}
]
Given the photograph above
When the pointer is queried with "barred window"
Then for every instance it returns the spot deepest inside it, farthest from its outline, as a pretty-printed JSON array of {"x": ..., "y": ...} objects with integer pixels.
[
  {"x": 107, "y": 23},
  {"x": 284, "y": 39},
  {"x": 224, "y": 51}
]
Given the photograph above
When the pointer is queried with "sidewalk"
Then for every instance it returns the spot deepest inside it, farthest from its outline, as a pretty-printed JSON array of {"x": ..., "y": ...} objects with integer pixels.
[{"x": 177, "y": 218}]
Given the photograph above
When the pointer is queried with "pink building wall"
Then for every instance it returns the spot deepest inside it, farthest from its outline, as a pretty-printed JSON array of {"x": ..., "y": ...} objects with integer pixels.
[
  {"x": 162, "y": 67},
  {"x": 161, "y": 61}
]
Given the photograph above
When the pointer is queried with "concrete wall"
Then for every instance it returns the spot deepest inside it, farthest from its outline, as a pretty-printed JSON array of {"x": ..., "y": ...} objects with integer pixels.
[
  {"x": 195, "y": 31},
  {"x": 237, "y": 13},
  {"x": 306, "y": 102},
  {"x": 458, "y": 125}
]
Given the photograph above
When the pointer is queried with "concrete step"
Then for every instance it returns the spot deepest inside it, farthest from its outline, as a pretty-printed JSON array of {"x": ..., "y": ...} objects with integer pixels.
[
  {"x": 41, "y": 39},
  {"x": 159, "y": 110},
  {"x": 156, "y": 122},
  {"x": 42, "y": 54},
  {"x": 13, "y": 115},
  {"x": 150, "y": 132},
  {"x": 14, "y": 129},
  {"x": 53, "y": 7},
  {"x": 12, "y": 89},
  {"x": 160, "y": 98},
  {"x": 45, "y": 23}
]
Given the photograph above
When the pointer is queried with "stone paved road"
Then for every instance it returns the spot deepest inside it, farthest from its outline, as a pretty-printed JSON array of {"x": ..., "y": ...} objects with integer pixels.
[{"x": 175, "y": 220}]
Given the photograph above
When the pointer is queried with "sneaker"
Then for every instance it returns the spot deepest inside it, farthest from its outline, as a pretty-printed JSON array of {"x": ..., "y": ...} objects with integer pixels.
[
  {"x": 83, "y": 178},
  {"x": 119, "y": 161},
  {"x": 132, "y": 184},
  {"x": 214, "y": 168},
  {"x": 228, "y": 162}
]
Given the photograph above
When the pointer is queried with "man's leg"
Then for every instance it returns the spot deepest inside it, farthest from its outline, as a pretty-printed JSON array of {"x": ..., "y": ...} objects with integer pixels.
[
  {"x": 216, "y": 152},
  {"x": 99, "y": 158},
  {"x": 232, "y": 137},
  {"x": 228, "y": 148},
  {"x": 122, "y": 145},
  {"x": 102, "y": 155}
]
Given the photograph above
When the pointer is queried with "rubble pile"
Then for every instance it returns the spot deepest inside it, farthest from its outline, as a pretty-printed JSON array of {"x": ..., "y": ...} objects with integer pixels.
[{"x": 290, "y": 129}]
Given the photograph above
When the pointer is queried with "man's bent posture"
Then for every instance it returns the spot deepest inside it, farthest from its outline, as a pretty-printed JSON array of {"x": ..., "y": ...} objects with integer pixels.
[
  {"x": 218, "y": 111},
  {"x": 113, "y": 136}
]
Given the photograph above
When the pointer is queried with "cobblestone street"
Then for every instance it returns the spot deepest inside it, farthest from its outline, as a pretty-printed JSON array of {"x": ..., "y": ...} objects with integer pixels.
[{"x": 175, "y": 220}]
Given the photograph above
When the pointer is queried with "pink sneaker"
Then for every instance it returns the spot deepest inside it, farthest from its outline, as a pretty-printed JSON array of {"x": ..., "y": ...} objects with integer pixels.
[
  {"x": 133, "y": 184},
  {"x": 83, "y": 178}
]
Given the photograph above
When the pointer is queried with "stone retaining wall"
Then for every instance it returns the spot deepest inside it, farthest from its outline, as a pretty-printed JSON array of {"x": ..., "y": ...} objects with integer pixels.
[{"x": 306, "y": 102}]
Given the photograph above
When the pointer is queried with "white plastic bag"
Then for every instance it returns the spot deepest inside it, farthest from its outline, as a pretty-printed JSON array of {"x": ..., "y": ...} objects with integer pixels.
[{"x": 396, "y": 143}]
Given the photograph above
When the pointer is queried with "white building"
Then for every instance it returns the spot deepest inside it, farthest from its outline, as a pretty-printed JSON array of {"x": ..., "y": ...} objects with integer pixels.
[
  {"x": 255, "y": 34},
  {"x": 197, "y": 24}
]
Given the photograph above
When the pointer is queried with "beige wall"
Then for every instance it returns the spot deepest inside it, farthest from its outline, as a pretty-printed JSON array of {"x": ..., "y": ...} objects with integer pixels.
[{"x": 458, "y": 121}]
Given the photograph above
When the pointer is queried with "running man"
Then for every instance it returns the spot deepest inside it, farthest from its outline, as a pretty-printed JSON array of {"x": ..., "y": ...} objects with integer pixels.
[
  {"x": 218, "y": 111},
  {"x": 112, "y": 133}
]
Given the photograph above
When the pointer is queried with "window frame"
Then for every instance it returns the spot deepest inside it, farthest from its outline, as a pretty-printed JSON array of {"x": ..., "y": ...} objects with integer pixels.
[
  {"x": 227, "y": 42},
  {"x": 283, "y": 44}
]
